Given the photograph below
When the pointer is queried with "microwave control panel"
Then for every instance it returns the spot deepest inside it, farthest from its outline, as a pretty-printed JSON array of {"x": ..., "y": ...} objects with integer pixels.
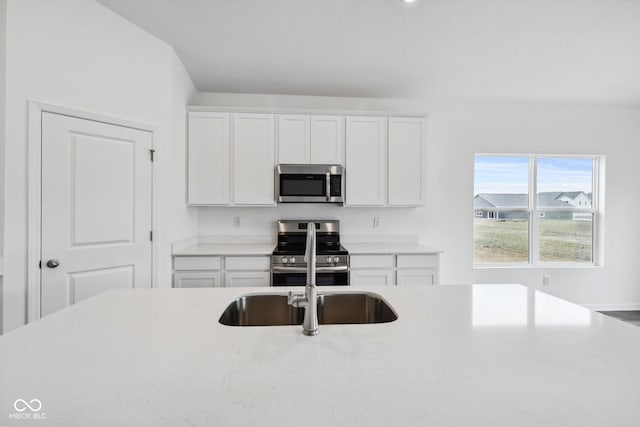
[{"x": 336, "y": 185}]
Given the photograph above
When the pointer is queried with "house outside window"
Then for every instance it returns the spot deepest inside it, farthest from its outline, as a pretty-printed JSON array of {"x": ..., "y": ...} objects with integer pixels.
[{"x": 535, "y": 210}]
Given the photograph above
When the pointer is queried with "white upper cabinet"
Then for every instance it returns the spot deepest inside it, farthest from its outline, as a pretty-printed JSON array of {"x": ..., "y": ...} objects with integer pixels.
[
  {"x": 253, "y": 159},
  {"x": 307, "y": 139},
  {"x": 293, "y": 139},
  {"x": 232, "y": 156},
  {"x": 208, "y": 159},
  {"x": 406, "y": 162},
  {"x": 327, "y": 140},
  {"x": 366, "y": 161}
]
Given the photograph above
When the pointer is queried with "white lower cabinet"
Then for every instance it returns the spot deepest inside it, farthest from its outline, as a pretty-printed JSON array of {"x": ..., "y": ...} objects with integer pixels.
[
  {"x": 238, "y": 279},
  {"x": 416, "y": 277},
  {"x": 198, "y": 279},
  {"x": 371, "y": 277},
  {"x": 394, "y": 269},
  {"x": 221, "y": 271}
]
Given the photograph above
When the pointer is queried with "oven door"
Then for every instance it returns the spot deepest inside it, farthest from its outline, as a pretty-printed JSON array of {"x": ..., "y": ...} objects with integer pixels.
[{"x": 328, "y": 278}]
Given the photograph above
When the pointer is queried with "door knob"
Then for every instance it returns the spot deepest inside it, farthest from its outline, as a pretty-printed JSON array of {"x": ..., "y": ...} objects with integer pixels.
[{"x": 53, "y": 263}]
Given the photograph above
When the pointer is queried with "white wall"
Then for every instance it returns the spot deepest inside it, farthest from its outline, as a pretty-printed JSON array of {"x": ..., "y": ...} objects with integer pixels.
[
  {"x": 3, "y": 38},
  {"x": 79, "y": 54},
  {"x": 175, "y": 219},
  {"x": 459, "y": 131},
  {"x": 456, "y": 132}
]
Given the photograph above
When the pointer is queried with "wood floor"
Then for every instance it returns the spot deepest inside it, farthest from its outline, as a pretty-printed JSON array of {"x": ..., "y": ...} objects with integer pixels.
[{"x": 631, "y": 316}]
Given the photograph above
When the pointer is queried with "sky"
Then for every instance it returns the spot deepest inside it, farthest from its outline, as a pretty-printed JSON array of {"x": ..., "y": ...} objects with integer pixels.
[{"x": 510, "y": 174}]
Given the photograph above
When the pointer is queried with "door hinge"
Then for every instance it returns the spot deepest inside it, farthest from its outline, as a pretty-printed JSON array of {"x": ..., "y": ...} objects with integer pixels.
[
  {"x": 40, "y": 264},
  {"x": 151, "y": 235},
  {"x": 151, "y": 153}
]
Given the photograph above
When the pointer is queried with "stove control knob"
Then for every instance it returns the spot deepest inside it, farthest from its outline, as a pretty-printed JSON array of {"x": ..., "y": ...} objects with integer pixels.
[
  {"x": 336, "y": 259},
  {"x": 292, "y": 259},
  {"x": 328, "y": 259},
  {"x": 283, "y": 260}
]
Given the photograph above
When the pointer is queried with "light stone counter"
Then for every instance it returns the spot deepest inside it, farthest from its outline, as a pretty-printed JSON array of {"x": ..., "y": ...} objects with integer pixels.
[{"x": 482, "y": 355}]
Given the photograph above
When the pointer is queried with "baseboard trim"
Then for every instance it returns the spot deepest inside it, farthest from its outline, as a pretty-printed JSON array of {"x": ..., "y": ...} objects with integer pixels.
[{"x": 613, "y": 307}]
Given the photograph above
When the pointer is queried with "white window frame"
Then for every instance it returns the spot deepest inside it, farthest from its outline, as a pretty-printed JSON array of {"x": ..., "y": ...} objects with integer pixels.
[{"x": 537, "y": 214}]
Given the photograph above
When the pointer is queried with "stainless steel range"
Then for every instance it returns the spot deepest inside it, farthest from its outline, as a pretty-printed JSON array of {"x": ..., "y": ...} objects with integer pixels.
[{"x": 288, "y": 267}]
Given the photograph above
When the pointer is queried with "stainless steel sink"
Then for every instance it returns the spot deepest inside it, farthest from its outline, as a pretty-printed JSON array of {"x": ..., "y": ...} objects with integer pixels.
[{"x": 333, "y": 309}]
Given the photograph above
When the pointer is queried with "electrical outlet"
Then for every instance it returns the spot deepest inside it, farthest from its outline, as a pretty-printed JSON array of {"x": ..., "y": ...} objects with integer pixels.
[
  {"x": 236, "y": 221},
  {"x": 376, "y": 222},
  {"x": 546, "y": 280}
]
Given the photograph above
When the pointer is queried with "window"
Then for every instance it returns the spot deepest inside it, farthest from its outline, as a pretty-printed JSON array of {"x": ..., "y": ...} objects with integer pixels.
[{"x": 535, "y": 209}]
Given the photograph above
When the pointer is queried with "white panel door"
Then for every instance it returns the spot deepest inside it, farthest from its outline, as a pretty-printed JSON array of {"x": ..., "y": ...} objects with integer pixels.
[
  {"x": 96, "y": 209},
  {"x": 327, "y": 140},
  {"x": 293, "y": 139},
  {"x": 208, "y": 159},
  {"x": 406, "y": 161},
  {"x": 366, "y": 160},
  {"x": 253, "y": 159}
]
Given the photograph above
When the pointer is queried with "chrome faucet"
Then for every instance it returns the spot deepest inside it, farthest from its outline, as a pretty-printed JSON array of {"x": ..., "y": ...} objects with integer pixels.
[{"x": 310, "y": 298}]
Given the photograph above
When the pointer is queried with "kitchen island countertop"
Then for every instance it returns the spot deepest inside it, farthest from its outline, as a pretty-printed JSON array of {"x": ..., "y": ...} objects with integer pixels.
[{"x": 481, "y": 355}]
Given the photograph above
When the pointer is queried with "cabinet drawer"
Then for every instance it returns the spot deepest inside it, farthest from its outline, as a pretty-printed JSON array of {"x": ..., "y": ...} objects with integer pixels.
[
  {"x": 196, "y": 263},
  {"x": 417, "y": 261},
  {"x": 371, "y": 261},
  {"x": 371, "y": 277},
  {"x": 208, "y": 279},
  {"x": 247, "y": 263},
  {"x": 237, "y": 279},
  {"x": 416, "y": 277}
]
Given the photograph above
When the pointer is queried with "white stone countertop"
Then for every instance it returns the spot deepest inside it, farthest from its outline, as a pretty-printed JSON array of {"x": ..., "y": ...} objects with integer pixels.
[
  {"x": 203, "y": 249},
  {"x": 389, "y": 248},
  {"x": 481, "y": 355}
]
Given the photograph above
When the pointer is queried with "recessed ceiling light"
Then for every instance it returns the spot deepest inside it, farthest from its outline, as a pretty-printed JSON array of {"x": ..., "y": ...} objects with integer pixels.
[{"x": 408, "y": 1}]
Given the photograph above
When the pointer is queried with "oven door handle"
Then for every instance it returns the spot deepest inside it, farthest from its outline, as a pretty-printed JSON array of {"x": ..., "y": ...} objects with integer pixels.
[{"x": 278, "y": 269}]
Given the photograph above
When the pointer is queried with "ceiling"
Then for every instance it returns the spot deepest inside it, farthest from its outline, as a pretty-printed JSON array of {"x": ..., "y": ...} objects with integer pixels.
[{"x": 585, "y": 51}]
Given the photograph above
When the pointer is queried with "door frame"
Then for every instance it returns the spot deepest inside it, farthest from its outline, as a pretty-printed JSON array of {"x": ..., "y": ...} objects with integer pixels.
[{"x": 34, "y": 190}]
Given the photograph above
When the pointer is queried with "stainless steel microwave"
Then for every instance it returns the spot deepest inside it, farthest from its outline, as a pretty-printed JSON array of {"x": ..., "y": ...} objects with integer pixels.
[{"x": 309, "y": 183}]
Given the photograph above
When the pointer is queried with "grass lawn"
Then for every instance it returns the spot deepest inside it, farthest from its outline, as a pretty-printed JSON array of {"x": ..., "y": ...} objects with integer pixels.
[{"x": 561, "y": 240}]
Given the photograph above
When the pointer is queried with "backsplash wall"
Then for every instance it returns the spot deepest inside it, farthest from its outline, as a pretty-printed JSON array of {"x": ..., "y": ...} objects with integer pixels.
[{"x": 356, "y": 223}]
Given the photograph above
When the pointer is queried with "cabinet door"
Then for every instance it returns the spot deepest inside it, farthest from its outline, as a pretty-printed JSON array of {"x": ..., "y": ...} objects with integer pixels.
[
  {"x": 371, "y": 278},
  {"x": 327, "y": 140},
  {"x": 237, "y": 279},
  {"x": 253, "y": 157},
  {"x": 417, "y": 277},
  {"x": 365, "y": 170},
  {"x": 406, "y": 161},
  {"x": 201, "y": 279},
  {"x": 208, "y": 159},
  {"x": 293, "y": 139}
]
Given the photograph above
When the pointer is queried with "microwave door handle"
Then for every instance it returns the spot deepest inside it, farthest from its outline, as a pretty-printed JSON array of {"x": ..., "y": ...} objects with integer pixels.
[{"x": 328, "y": 184}]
